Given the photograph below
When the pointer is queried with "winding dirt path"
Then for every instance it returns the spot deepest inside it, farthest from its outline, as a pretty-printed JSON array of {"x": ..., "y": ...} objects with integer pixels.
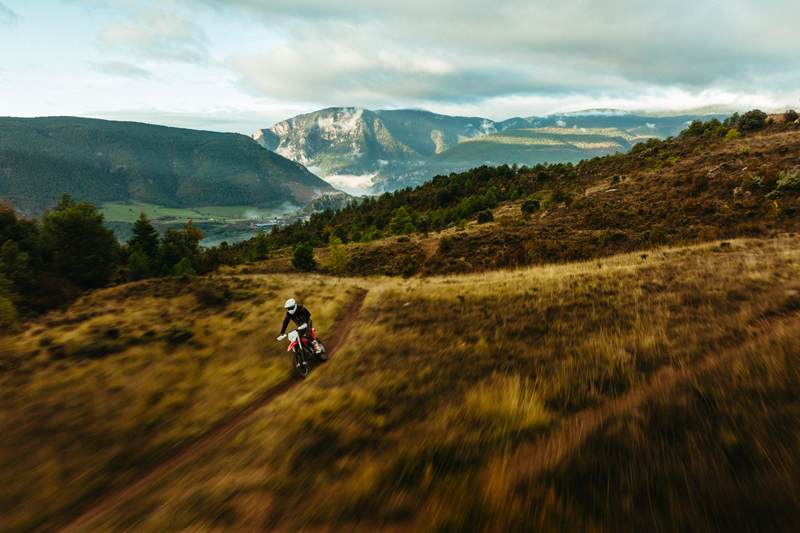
[
  {"x": 535, "y": 458},
  {"x": 221, "y": 431}
]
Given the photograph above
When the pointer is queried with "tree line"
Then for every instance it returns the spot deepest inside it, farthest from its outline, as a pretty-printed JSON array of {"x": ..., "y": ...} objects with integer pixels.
[{"x": 48, "y": 262}]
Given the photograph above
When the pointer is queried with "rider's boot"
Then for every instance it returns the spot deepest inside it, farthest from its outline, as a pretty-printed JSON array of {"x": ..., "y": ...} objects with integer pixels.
[{"x": 317, "y": 347}]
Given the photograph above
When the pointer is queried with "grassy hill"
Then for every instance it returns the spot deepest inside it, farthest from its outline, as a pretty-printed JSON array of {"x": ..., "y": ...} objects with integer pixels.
[
  {"x": 105, "y": 161},
  {"x": 704, "y": 184},
  {"x": 625, "y": 357},
  {"x": 626, "y": 393}
]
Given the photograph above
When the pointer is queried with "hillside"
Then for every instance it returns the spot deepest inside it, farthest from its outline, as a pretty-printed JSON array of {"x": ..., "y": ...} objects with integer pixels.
[
  {"x": 628, "y": 393},
  {"x": 623, "y": 356},
  {"x": 105, "y": 161},
  {"x": 385, "y": 150},
  {"x": 703, "y": 184}
]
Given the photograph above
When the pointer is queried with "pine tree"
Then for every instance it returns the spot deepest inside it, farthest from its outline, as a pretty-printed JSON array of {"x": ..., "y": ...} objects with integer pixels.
[
  {"x": 145, "y": 236},
  {"x": 78, "y": 245},
  {"x": 139, "y": 264},
  {"x": 401, "y": 222}
]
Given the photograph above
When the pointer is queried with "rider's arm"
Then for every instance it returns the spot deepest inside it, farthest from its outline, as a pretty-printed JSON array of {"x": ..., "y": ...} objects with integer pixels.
[{"x": 285, "y": 323}]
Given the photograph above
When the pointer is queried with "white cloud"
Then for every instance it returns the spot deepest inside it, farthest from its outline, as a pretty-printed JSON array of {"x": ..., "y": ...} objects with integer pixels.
[
  {"x": 159, "y": 35},
  {"x": 396, "y": 53},
  {"x": 122, "y": 69}
]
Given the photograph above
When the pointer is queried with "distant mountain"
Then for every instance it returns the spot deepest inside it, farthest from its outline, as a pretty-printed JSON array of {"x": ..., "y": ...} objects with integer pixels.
[
  {"x": 109, "y": 161},
  {"x": 359, "y": 149},
  {"x": 342, "y": 143}
]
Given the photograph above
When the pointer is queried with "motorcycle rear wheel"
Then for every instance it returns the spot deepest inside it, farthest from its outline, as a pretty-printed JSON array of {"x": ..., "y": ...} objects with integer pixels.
[{"x": 323, "y": 355}]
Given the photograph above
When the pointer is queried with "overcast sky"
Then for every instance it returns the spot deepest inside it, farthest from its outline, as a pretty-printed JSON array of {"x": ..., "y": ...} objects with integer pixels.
[{"x": 236, "y": 65}]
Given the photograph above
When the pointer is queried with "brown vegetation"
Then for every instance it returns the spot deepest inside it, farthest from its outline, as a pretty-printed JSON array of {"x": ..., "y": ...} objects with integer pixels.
[
  {"x": 98, "y": 392},
  {"x": 447, "y": 383}
]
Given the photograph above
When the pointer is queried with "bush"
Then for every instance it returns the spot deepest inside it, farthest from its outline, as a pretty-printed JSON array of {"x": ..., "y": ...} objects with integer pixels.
[
  {"x": 752, "y": 120},
  {"x": 183, "y": 268},
  {"x": 337, "y": 256},
  {"x": 788, "y": 180},
  {"x": 8, "y": 313},
  {"x": 209, "y": 295},
  {"x": 180, "y": 245},
  {"x": 790, "y": 116},
  {"x": 485, "y": 217},
  {"x": 530, "y": 206},
  {"x": 138, "y": 265},
  {"x": 178, "y": 335},
  {"x": 732, "y": 134},
  {"x": 560, "y": 196},
  {"x": 303, "y": 258}
]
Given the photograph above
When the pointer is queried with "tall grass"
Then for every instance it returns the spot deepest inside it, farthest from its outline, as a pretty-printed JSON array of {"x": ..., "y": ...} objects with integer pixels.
[{"x": 414, "y": 425}]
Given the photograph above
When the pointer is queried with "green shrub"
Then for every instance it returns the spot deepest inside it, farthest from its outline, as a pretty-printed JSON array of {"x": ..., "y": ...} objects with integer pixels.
[
  {"x": 8, "y": 313},
  {"x": 530, "y": 206},
  {"x": 337, "y": 256},
  {"x": 183, "y": 268},
  {"x": 139, "y": 265},
  {"x": 485, "y": 217},
  {"x": 752, "y": 121},
  {"x": 303, "y": 258},
  {"x": 790, "y": 116},
  {"x": 732, "y": 134},
  {"x": 178, "y": 335},
  {"x": 788, "y": 180},
  {"x": 209, "y": 295}
]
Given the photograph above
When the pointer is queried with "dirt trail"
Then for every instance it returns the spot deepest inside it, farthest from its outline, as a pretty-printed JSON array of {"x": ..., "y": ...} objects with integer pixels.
[
  {"x": 221, "y": 431},
  {"x": 535, "y": 458}
]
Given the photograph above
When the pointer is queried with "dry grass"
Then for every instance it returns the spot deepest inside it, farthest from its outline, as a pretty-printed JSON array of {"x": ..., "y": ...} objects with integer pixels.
[
  {"x": 96, "y": 393},
  {"x": 417, "y": 422}
]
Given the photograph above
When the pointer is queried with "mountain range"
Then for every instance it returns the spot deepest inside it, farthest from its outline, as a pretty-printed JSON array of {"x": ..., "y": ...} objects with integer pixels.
[
  {"x": 361, "y": 150},
  {"x": 108, "y": 161}
]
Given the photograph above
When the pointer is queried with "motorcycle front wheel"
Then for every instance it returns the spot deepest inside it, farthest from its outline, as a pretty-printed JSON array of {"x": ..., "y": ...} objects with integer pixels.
[{"x": 300, "y": 364}]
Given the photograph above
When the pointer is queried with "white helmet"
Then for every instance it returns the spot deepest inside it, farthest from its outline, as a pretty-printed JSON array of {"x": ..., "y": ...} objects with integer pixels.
[{"x": 291, "y": 306}]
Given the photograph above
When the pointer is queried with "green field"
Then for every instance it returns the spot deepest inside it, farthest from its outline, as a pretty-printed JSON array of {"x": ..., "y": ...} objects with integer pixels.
[{"x": 129, "y": 212}]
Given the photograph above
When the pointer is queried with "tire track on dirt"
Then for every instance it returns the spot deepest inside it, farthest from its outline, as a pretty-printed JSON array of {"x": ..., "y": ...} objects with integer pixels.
[
  {"x": 533, "y": 459},
  {"x": 223, "y": 429}
]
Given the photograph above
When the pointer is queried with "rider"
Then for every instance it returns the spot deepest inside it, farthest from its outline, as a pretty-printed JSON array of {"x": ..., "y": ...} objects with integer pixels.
[{"x": 299, "y": 315}]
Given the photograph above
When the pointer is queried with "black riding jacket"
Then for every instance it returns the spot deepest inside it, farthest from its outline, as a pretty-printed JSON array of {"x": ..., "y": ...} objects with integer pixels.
[{"x": 301, "y": 316}]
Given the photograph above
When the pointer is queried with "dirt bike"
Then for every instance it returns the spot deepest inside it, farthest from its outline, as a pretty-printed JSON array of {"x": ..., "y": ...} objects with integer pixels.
[{"x": 303, "y": 350}]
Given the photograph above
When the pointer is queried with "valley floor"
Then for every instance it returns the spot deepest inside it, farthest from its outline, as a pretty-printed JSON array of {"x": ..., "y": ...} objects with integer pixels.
[{"x": 647, "y": 391}]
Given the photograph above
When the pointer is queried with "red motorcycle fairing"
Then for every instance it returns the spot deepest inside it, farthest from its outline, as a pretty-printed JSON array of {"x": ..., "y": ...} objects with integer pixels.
[{"x": 294, "y": 343}]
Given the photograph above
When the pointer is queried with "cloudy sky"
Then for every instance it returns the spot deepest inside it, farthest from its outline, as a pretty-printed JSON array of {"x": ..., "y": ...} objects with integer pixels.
[{"x": 236, "y": 65}]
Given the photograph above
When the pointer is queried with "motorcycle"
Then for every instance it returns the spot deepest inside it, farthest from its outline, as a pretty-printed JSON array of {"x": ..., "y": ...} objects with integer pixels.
[{"x": 303, "y": 350}]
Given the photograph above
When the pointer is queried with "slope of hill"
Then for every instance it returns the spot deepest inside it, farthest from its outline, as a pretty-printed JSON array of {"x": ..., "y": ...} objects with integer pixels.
[
  {"x": 106, "y": 161},
  {"x": 443, "y": 410},
  {"x": 709, "y": 182},
  {"x": 385, "y": 150}
]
